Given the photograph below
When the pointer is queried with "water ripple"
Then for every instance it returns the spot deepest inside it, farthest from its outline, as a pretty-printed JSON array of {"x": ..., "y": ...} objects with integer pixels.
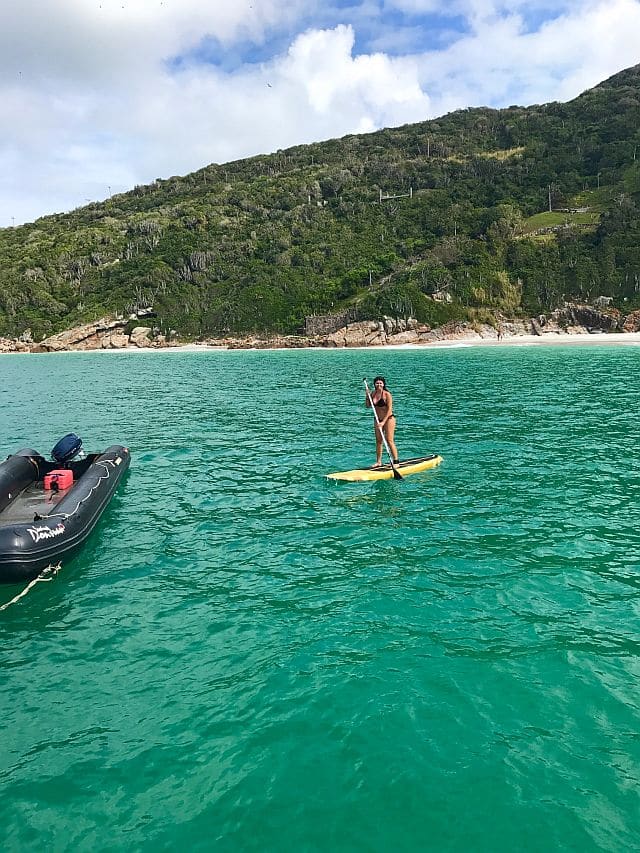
[{"x": 248, "y": 656}]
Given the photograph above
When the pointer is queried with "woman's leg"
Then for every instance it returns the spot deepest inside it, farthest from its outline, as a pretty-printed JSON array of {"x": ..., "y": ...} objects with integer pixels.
[
  {"x": 378, "y": 444},
  {"x": 390, "y": 431}
]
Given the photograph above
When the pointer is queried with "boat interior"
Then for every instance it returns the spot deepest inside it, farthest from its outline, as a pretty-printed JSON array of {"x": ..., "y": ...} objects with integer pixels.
[{"x": 35, "y": 502}]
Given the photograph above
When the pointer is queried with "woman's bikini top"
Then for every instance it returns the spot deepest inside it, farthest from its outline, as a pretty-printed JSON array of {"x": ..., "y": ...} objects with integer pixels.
[{"x": 381, "y": 402}]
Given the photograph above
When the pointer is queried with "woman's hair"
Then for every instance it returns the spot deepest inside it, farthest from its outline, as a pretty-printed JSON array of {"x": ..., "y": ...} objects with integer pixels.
[{"x": 381, "y": 379}]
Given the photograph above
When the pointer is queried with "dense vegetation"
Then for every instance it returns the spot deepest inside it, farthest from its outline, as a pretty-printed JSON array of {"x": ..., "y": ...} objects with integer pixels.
[{"x": 511, "y": 210}]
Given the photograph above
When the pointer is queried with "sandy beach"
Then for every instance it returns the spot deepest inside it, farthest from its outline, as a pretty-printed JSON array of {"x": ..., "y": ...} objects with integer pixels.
[{"x": 547, "y": 339}]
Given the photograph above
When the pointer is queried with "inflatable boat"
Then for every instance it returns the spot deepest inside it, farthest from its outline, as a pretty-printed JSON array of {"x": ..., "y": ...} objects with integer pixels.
[
  {"x": 385, "y": 472},
  {"x": 48, "y": 508}
]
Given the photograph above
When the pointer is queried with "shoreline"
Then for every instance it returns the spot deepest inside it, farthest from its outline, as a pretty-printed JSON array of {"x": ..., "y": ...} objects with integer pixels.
[
  {"x": 572, "y": 324},
  {"x": 546, "y": 339},
  {"x": 461, "y": 342}
]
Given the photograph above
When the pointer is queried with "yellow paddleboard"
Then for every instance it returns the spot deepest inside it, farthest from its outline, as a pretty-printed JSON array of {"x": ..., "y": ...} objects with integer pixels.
[{"x": 408, "y": 466}]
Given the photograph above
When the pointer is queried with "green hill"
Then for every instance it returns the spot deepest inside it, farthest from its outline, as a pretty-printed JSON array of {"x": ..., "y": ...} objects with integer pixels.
[{"x": 511, "y": 210}]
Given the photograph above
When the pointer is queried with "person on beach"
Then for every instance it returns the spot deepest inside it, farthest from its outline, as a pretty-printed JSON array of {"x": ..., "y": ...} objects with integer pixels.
[{"x": 383, "y": 403}]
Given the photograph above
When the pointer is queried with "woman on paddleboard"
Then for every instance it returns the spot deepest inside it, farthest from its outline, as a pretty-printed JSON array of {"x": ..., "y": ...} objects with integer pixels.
[{"x": 383, "y": 403}]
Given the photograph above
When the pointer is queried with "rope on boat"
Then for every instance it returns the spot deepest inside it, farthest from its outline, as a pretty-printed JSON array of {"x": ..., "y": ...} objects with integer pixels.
[
  {"x": 106, "y": 476},
  {"x": 47, "y": 574}
]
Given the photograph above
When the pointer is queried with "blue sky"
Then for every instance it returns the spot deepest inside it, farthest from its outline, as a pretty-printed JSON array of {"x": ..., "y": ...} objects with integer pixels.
[{"x": 97, "y": 96}]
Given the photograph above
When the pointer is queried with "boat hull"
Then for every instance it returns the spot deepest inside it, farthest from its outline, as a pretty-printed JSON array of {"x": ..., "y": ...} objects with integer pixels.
[
  {"x": 39, "y": 528},
  {"x": 407, "y": 467}
]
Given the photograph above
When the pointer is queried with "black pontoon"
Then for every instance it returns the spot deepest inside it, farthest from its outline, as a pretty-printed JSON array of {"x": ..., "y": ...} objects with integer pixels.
[{"x": 48, "y": 508}]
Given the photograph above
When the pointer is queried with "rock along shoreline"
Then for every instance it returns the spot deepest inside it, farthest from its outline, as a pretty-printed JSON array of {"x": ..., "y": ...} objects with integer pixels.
[{"x": 571, "y": 323}]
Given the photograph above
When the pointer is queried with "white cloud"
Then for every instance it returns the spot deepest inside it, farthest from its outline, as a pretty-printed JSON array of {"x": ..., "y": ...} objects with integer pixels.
[
  {"x": 501, "y": 63},
  {"x": 318, "y": 90},
  {"x": 334, "y": 81},
  {"x": 91, "y": 100}
]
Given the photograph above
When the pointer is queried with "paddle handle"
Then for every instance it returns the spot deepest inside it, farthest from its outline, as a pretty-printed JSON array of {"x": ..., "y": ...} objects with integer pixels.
[{"x": 396, "y": 474}]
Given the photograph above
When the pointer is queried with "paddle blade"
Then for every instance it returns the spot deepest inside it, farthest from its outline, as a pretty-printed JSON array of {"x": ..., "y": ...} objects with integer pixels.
[{"x": 396, "y": 474}]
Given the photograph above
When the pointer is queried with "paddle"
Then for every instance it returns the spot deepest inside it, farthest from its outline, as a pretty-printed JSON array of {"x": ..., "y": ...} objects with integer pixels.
[{"x": 396, "y": 474}]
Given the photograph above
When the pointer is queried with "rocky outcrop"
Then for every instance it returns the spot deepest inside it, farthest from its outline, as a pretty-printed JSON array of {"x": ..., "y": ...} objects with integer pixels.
[
  {"x": 87, "y": 337},
  {"x": 632, "y": 322},
  {"x": 451, "y": 332},
  {"x": 7, "y": 345},
  {"x": 140, "y": 336},
  {"x": 371, "y": 333},
  {"x": 458, "y": 331},
  {"x": 514, "y": 328},
  {"x": 585, "y": 317},
  {"x": 116, "y": 340},
  {"x": 409, "y": 337},
  {"x": 103, "y": 334},
  {"x": 364, "y": 334}
]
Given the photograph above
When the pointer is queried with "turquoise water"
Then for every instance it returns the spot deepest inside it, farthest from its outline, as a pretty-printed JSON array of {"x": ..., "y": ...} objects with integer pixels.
[{"x": 246, "y": 656}]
